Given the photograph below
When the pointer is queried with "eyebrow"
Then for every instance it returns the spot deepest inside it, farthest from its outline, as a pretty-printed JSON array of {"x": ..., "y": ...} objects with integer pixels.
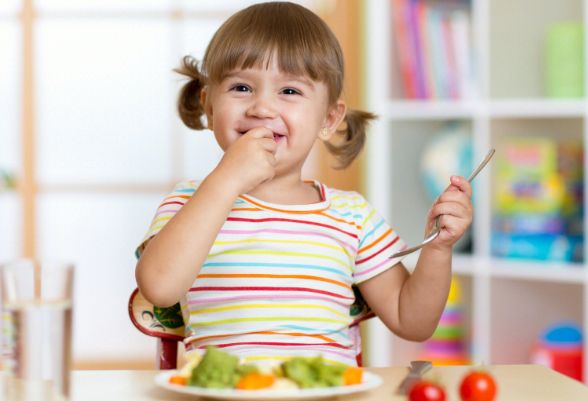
[{"x": 288, "y": 77}]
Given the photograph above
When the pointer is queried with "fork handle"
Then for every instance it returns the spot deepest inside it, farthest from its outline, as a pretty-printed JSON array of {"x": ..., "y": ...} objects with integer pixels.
[
  {"x": 419, "y": 368},
  {"x": 436, "y": 228}
]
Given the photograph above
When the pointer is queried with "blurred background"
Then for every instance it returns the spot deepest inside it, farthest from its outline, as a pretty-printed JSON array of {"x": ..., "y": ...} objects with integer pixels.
[{"x": 90, "y": 142}]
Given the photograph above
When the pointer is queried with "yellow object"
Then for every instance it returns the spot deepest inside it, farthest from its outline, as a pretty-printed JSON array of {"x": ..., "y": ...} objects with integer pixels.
[{"x": 454, "y": 292}]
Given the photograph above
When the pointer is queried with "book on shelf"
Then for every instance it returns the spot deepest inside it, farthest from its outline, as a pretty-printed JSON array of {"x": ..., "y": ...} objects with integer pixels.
[
  {"x": 418, "y": 46},
  {"x": 433, "y": 48},
  {"x": 406, "y": 61},
  {"x": 462, "y": 48}
]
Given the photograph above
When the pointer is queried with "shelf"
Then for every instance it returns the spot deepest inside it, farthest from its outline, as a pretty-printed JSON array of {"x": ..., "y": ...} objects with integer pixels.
[
  {"x": 537, "y": 108},
  {"x": 427, "y": 109},
  {"x": 469, "y": 265},
  {"x": 540, "y": 271},
  {"x": 513, "y": 108}
]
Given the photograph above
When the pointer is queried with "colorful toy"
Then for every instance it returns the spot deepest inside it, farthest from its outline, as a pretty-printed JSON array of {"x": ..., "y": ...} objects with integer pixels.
[
  {"x": 539, "y": 198},
  {"x": 446, "y": 346},
  {"x": 545, "y": 247},
  {"x": 527, "y": 179},
  {"x": 560, "y": 348}
]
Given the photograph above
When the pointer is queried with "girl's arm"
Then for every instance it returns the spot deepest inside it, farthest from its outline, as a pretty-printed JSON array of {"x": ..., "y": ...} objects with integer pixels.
[
  {"x": 171, "y": 260},
  {"x": 411, "y": 304}
]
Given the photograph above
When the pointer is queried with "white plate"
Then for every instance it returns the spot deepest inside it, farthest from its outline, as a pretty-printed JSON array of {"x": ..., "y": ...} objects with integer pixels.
[{"x": 370, "y": 381}]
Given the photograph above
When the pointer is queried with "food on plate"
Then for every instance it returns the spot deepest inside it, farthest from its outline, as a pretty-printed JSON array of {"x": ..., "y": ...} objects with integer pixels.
[
  {"x": 352, "y": 375},
  {"x": 477, "y": 385},
  {"x": 425, "y": 390},
  {"x": 219, "y": 369},
  {"x": 313, "y": 372},
  {"x": 255, "y": 381},
  {"x": 177, "y": 379}
]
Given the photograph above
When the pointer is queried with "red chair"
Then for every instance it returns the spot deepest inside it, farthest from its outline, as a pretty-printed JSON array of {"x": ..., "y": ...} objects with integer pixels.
[{"x": 167, "y": 326}]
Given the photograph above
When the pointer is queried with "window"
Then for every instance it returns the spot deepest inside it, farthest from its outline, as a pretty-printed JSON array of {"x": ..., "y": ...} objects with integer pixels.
[{"x": 90, "y": 131}]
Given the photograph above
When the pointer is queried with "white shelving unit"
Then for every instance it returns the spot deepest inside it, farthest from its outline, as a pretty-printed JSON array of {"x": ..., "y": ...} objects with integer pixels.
[{"x": 507, "y": 303}]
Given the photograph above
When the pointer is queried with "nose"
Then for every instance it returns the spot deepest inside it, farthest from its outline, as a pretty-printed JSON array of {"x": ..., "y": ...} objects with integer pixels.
[{"x": 262, "y": 106}]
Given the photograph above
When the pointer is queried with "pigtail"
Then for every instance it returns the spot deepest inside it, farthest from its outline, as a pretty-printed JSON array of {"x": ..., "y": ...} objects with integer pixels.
[
  {"x": 356, "y": 123},
  {"x": 189, "y": 106}
]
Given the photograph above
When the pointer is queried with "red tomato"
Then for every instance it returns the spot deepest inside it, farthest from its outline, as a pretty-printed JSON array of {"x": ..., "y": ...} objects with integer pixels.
[
  {"x": 477, "y": 385},
  {"x": 426, "y": 391}
]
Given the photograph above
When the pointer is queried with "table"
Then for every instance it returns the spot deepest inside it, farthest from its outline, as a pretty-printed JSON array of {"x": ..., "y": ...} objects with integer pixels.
[{"x": 515, "y": 383}]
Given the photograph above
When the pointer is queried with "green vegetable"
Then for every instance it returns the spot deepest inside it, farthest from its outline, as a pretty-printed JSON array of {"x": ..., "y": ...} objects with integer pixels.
[
  {"x": 218, "y": 369},
  {"x": 313, "y": 372}
]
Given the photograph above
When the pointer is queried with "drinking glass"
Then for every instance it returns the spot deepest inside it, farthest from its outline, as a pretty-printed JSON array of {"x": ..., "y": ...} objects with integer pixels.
[{"x": 37, "y": 333}]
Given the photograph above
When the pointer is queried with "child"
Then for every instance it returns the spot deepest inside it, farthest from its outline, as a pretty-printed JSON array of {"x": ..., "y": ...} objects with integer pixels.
[{"x": 263, "y": 263}]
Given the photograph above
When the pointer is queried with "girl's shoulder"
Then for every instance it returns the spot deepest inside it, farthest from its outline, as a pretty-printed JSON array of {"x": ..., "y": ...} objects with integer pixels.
[
  {"x": 180, "y": 194},
  {"x": 183, "y": 189},
  {"x": 342, "y": 199}
]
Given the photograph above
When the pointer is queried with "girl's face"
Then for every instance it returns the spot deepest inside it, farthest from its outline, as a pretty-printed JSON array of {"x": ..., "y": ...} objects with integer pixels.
[{"x": 295, "y": 108}]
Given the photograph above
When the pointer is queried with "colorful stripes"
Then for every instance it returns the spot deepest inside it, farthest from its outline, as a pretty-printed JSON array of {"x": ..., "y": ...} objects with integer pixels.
[
  {"x": 348, "y": 244},
  {"x": 299, "y": 221},
  {"x": 278, "y": 279},
  {"x": 276, "y": 276},
  {"x": 258, "y": 306}
]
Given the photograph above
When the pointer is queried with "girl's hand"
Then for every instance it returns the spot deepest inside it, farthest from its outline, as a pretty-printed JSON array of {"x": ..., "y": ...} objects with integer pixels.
[
  {"x": 454, "y": 206},
  {"x": 250, "y": 160}
]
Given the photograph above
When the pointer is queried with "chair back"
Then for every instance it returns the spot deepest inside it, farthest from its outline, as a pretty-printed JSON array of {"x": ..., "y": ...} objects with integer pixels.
[{"x": 165, "y": 324}]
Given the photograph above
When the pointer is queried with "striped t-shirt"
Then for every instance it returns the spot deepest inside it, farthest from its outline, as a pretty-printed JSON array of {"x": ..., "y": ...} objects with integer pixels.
[{"x": 278, "y": 279}]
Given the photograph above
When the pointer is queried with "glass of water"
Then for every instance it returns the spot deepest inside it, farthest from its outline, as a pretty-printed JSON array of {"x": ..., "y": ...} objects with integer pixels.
[{"x": 36, "y": 330}]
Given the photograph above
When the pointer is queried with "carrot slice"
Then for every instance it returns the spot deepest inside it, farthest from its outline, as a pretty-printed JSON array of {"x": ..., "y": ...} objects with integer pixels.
[
  {"x": 352, "y": 375},
  {"x": 181, "y": 380},
  {"x": 255, "y": 381}
]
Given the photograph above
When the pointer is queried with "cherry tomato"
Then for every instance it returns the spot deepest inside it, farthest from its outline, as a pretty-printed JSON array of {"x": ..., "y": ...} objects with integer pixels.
[
  {"x": 477, "y": 385},
  {"x": 426, "y": 391}
]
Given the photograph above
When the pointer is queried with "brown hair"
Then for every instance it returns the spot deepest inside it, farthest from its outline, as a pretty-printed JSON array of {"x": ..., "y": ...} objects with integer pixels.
[{"x": 303, "y": 45}]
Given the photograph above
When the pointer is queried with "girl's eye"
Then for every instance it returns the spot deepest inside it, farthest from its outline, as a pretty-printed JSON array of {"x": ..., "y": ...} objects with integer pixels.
[
  {"x": 290, "y": 91},
  {"x": 240, "y": 88}
]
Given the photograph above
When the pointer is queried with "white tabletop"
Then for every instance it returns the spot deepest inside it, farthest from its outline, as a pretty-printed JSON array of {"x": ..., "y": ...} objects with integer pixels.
[{"x": 515, "y": 383}]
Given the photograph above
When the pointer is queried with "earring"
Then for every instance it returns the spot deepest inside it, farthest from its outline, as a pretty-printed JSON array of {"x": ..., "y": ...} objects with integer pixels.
[{"x": 324, "y": 133}]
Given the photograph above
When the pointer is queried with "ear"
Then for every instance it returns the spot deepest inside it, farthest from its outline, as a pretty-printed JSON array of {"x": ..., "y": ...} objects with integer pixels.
[
  {"x": 206, "y": 105},
  {"x": 335, "y": 116}
]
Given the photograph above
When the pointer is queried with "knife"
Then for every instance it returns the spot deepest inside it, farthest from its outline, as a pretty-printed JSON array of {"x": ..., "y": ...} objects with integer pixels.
[{"x": 415, "y": 373}]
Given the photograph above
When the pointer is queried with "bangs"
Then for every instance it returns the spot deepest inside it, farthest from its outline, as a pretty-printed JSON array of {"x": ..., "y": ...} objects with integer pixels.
[{"x": 299, "y": 40}]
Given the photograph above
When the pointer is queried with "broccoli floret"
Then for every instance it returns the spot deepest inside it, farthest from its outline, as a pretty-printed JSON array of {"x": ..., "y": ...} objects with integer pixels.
[
  {"x": 218, "y": 369},
  {"x": 313, "y": 372}
]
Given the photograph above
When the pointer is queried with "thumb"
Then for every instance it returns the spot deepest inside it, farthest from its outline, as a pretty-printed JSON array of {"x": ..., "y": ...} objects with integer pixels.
[{"x": 261, "y": 132}]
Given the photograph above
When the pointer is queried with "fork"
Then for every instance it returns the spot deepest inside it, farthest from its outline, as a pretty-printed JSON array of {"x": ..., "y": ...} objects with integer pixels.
[{"x": 436, "y": 228}]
